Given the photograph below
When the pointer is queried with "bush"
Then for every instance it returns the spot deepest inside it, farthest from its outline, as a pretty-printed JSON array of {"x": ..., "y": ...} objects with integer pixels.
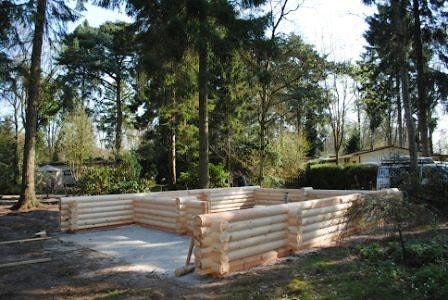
[
  {"x": 426, "y": 267},
  {"x": 432, "y": 190},
  {"x": 121, "y": 178},
  {"x": 341, "y": 177},
  {"x": 218, "y": 177},
  {"x": 109, "y": 180},
  {"x": 373, "y": 252},
  {"x": 432, "y": 281}
]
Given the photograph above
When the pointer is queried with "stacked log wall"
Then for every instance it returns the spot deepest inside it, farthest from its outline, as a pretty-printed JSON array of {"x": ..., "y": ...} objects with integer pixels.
[
  {"x": 233, "y": 241},
  {"x": 171, "y": 211}
]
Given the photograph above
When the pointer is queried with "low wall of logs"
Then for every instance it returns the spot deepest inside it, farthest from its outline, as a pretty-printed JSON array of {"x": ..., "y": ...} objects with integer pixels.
[
  {"x": 233, "y": 241},
  {"x": 233, "y": 229},
  {"x": 170, "y": 211}
]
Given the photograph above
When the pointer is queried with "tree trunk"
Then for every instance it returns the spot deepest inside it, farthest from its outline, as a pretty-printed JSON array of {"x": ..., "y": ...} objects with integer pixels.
[
  {"x": 399, "y": 113},
  {"x": 262, "y": 135},
  {"x": 403, "y": 63},
  {"x": 358, "y": 115},
  {"x": 336, "y": 145},
  {"x": 421, "y": 81},
  {"x": 119, "y": 122},
  {"x": 389, "y": 124},
  {"x": 298, "y": 119},
  {"x": 203, "y": 102},
  {"x": 28, "y": 193},
  {"x": 173, "y": 159},
  {"x": 15, "y": 159},
  {"x": 173, "y": 144}
]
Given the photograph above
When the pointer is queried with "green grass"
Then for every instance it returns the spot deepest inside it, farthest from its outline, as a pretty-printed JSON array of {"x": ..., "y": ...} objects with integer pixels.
[{"x": 128, "y": 293}]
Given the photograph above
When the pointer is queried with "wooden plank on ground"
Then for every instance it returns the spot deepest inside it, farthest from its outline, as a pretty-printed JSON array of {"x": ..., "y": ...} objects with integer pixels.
[
  {"x": 25, "y": 240},
  {"x": 25, "y": 262}
]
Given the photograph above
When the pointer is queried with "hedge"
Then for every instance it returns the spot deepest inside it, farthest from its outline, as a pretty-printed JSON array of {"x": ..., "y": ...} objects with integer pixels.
[{"x": 341, "y": 177}]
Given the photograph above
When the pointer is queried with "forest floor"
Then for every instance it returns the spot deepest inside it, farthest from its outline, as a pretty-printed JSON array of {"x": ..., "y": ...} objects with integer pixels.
[{"x": 359, "y": 269}]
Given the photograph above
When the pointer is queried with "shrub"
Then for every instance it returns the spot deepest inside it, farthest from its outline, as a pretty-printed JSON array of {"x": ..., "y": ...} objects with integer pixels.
[
  {"x": 390, "y": 209},
  {"x": 432, "y": 281},
  {"x": 331, "y": 176},
  {"x": 218, "y": 177},
  {"x": 373, "y": 252},
  {"x": 431, "y": 190},
  {"x": 123, "y": 177}
]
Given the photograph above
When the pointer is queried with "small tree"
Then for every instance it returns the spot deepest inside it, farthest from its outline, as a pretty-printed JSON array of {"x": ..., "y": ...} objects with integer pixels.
[
  {"x": 76, "y": 139},
  {"x": 287, "y": 155},
  {"x": 354, "y": 143}
]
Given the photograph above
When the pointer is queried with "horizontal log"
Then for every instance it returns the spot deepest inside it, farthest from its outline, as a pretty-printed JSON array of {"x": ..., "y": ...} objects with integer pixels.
[
  {"x": 156, "y": 223},
  {"x": 232, "y": 205},
  {"x": 257, "y": 260},
  {"x": 83, "y": 199},
  {"x": 103, "y": 203},
  {"x": 269, "y": 202},
  {"x": 257, "y": 240},
  {"x": 278, "y": 197},
  {"x": 194, "y": 208},
  {"x": 322, "y": 232},
  {"x": 324, "y": 210},
  {"x": 329, "y": 238},
  {"x": 333, "y": 193},
  {"x": 266, "y": 190},
  {"x": 257, "y": 212},
  {"x": 231, "y": 201},
  {"x": 230, "y": 192},
  {"x": 187, "y": 198},
  {"x": 157, "y": 201},
  {"x": 139, "y": 196},
  {"x": 139, "y": 204},
  {"x": 218, "y": 249},
  {"x": 140, "y": 216},
  {"x": 323, "y": 224},
  {"x": 241, "y": 225},
  {"x": 156, "y": 212},
  {"x": 229, "y": 209},
  {"x": 244, "y": 234},
  {"x": 103, "y": 220},
  {"x": 101, "y": 209},
  {"x": 233, "y": 198},
  {"x": 118, "y": 213},
  {"x": 100, "y": 225},
  {"x": 323, "y": 217},
  {"x": 317, "y": 203},
  {"x": 258, "y": 249}
]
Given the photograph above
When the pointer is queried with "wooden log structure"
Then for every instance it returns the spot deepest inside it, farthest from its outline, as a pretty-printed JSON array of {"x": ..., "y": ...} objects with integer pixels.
[
  {"x": 161, "y": 209},
  {"x": 231, "y": 241},
  {"x": 233, "y": 229}
]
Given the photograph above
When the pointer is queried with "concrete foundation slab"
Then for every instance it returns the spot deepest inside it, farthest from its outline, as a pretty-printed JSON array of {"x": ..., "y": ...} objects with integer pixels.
[{"x": 146, "y": 249}]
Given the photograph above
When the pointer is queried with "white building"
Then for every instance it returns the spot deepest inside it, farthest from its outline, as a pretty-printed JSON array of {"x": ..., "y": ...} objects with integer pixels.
[{"x": 60, "y": 174}]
